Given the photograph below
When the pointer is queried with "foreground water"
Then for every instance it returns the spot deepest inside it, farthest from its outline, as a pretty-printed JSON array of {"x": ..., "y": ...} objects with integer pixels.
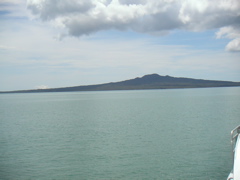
[{"x": 152, "y": 134}]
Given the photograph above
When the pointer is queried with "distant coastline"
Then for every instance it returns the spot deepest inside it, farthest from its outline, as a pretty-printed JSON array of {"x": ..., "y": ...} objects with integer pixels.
[{"x": 151, "y": 81}]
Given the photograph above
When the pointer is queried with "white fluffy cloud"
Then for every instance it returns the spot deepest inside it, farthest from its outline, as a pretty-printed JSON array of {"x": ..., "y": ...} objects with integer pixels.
[
  {"x": 233, "y": 45},
  {"x": 83, "y": 17},
  {"x": 230, "y": 32}
]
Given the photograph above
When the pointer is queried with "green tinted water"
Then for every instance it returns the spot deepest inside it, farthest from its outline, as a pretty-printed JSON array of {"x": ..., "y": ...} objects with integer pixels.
[{"x": 152, "y": 134}]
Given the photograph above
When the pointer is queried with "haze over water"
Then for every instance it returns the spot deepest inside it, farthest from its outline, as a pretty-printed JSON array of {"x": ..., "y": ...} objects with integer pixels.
[{"x": 144, "y": 134}]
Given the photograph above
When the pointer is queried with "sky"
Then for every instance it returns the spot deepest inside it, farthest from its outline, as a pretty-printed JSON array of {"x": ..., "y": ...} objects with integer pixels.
[{"x": 59, "y": 43}]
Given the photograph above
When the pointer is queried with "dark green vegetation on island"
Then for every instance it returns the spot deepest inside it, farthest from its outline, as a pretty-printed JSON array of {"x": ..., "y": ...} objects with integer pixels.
[{"x": 152, "y": 81}]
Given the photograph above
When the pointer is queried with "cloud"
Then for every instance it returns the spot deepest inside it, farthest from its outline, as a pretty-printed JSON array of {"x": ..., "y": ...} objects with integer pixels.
[
  {"x": 233, "y": 45},
  {"x": 145, "y": 16},
  {"x": 10, "y": 2},
  {"x": 13, "y": 9},
  {"x": 2, "y": 47},
  {"x": 50, "y": 9},
  {"x": 42, "y": 87},
  {"x": 230, "y": 32}
]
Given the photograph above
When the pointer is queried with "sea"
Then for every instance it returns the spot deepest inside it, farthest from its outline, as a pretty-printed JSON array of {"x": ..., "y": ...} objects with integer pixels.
[{"x": 171, "y": 134}]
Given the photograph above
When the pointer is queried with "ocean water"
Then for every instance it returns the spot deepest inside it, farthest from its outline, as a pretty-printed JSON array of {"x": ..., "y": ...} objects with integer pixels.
[{"x": 177, "y": 134}]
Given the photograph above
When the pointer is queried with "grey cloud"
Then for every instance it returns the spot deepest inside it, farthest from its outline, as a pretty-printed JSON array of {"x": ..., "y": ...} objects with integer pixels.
[
  {"x": 152, "y": 24},
  {"x": 51, "y": 9},
  {"x": 128, "y": 2},
  {"x": 154, "y": 17},
  {"x": 84, "y": 25},
  {"x": 211, "y": 20}
]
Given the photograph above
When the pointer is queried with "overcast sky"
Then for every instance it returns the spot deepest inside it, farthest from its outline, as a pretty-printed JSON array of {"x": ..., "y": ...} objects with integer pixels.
[{"x": 59, "y": 43}]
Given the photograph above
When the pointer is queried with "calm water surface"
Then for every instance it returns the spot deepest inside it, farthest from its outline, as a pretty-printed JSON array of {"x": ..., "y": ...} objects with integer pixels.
[{"x": 151, "y": 134}]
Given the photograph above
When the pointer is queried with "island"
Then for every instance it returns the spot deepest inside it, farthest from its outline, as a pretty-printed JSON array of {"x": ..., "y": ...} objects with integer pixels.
[{"x": 150, "y": 81}]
